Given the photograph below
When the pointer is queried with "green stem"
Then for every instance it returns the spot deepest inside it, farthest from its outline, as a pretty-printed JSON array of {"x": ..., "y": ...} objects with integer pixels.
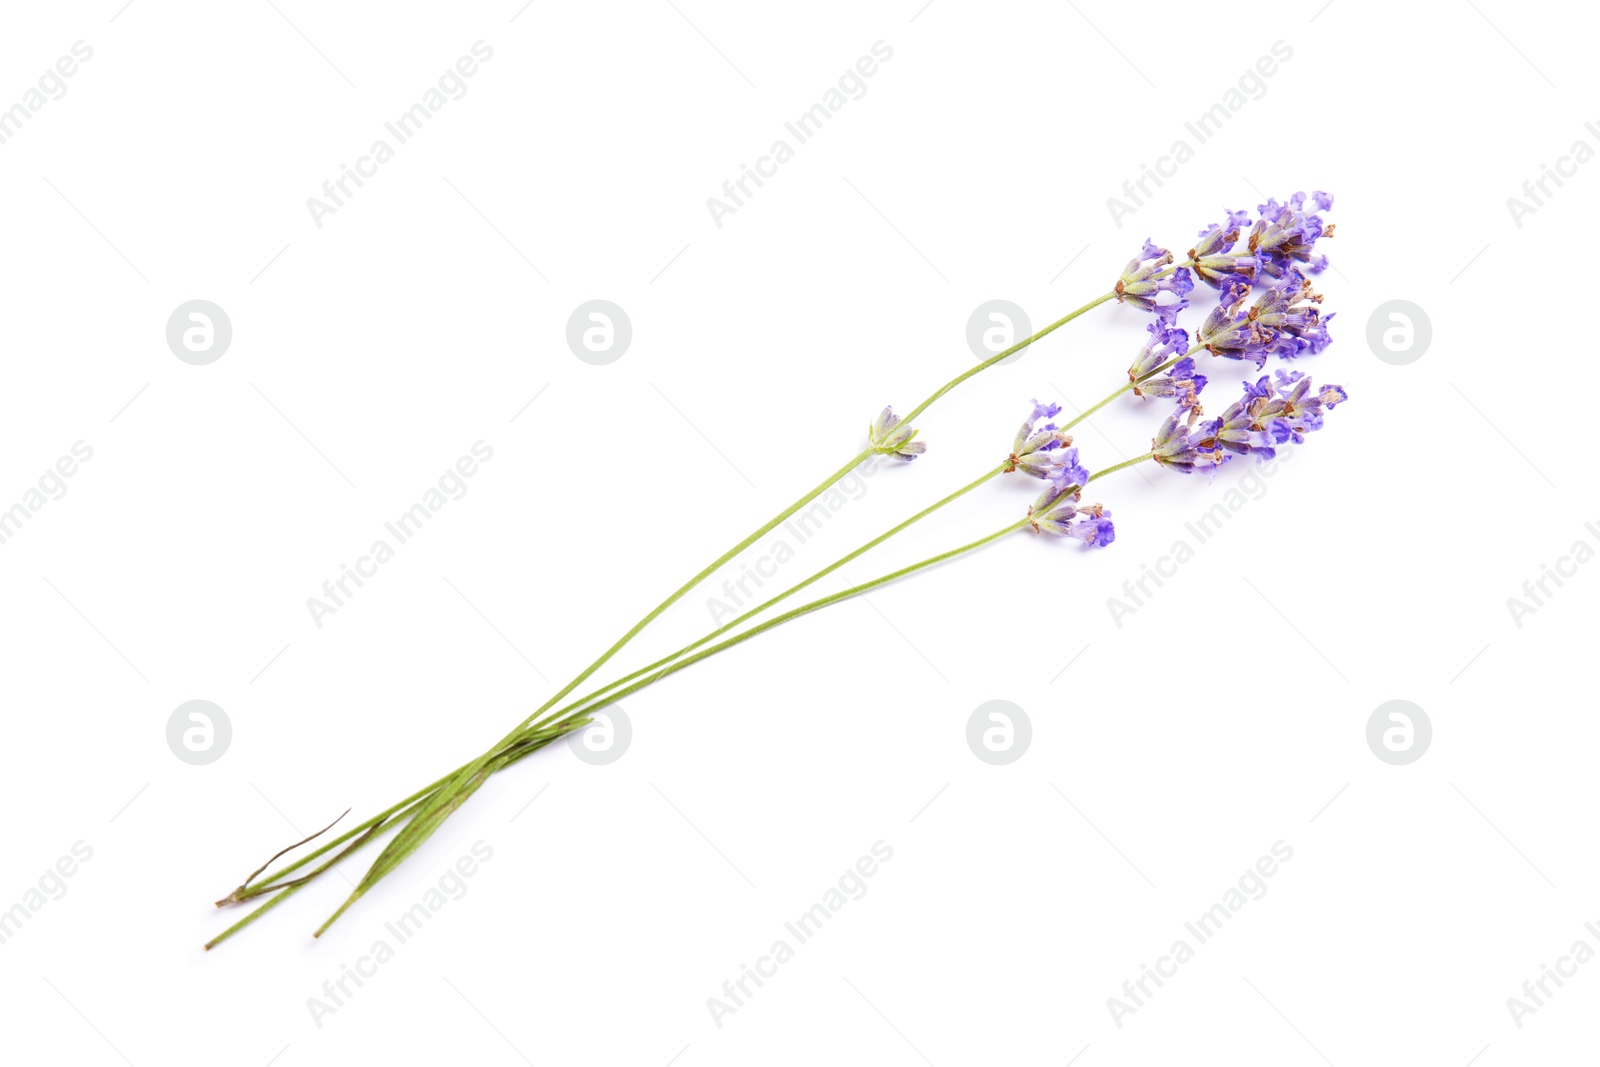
[
  {"x": 1109, "y": 397},
  {"x": 772, "y": 524},
  {"x": 452, "y": 794},
  {"x": 992, "y": 360},
  {"x": 818, "y": 604},
  {"x": 519, "y": 750},
  {"x": 594, "y": 695},
  {"x": 285, "y": 892},
  {"x": 427, "y": 802},
  {"x": 271, "y": 882},
  {"x": 699, "y": 577},
  {"x": 1124, "y": 465},
  {"x": 578, "y": 707},
  {"x": 244, "y": 893},
  {"x": 409, "y": 806},
  {"x": 581, "y": 701}
]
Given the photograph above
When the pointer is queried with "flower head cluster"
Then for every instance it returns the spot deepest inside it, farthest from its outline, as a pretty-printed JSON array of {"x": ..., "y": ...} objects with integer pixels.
[
  {"x": 1176, "y": 447},
  {"x": 1165, "y": 342},
  {"x": 1182, "y": 383},
  {"x": 1286, "y": 234},
  {"x": 1042, "y": 450},
  {"x": 888, "y": 438},
  {"x": 1230, "y": 332},
  {"x": 1213, "y": 257},
  {"x": 1056, "y": 512},
  {"x": 1272, "y": 411},
  {"x": 1180, "y": 380},
  {"x": 1148, "y": 276},
  {"x": 1289, "y": 315},
  {"x": 1283, "y": 321}
]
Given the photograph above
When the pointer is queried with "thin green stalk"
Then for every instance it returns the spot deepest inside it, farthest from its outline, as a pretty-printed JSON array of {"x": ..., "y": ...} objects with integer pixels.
[
  {"x": 272, "y": 883},
  {"x": 818, "y": 604},
  {"x": 428, "y": 799},
  {"x": 521, "y": 749},
  {"x": 595, "y": 694},
  {"x": 1108, "y": 398},
  {"x": 992, "y": 360},
  {"x": 578, "y": 707},
  {"x": 247, "y": 892},
  {"x": 772, "y": 524},
  {"x": 285, "y": 892},
  {"x": 446, "y": 798},
  {"x": 1124, "y": 465}
]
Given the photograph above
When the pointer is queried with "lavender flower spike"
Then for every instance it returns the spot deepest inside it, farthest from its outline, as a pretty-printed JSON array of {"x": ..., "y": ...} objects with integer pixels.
[
  {"x": 1140, "y": 286},
  {"x": 1286, "y": 234},
  {"x": 1041, "y": 451},
  {"x": 1288, "y": 315},
  {"x": 1095, "y": 527},
  {"x": 1230, "y": 332},
  {"x": 1270, "y": 413},
  {"x": 1282, "y": 321},
  {"x": 1165, "y": 342},
  {"x": 1213, "y": 257},
  {"x": 1180, "y": 381},
  {"x": 1295, "y": 409},
  {"x": 1055, "y": 511},
  {"x": 889, "y": 438},
  {"x": 1176, "y": 449}
]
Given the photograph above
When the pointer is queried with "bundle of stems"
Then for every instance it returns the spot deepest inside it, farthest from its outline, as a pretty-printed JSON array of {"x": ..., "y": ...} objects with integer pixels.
[{"x": 1044, "y": 452}]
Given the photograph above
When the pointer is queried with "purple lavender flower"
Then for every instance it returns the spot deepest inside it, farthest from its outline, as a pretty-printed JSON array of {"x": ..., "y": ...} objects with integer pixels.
[
  {"x": 1230, "y": 332},
  {"x": 1043, "y": 411},
  {"x": 888, "y": 438},
  {"x": 1181, "y": 383},
  {"x": 1141, "y": 283},
  {"x": 1292, "y": 409},
  {"x": 1213, "y": 257},
  {"x": 1288, "y": 316},
  {"x": 1174, "y": 448},
  {"x": 1095, "y": 528},
  {"x": 1269, "y": 413},
  {"x": 1071, "y": 473},
  {"x": 1055, "y": 513},
  {"x": 1283, "y": 321},
  {"x": 1041, "y": 450},
  {"x": 1189, "y": 399},
  {"x": 1056, "y": 506},
  {"x": 1166, "y": 341},
  {"x": 1286, "y": 234}
]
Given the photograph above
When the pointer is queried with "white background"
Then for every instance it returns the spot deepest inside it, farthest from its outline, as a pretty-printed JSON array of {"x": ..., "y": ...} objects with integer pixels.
[{"x": 368, "y": 354}]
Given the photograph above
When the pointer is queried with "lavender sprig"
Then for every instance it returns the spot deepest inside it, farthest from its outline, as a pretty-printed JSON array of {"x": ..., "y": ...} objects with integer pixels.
[{"x": 1283, "y": 322}]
